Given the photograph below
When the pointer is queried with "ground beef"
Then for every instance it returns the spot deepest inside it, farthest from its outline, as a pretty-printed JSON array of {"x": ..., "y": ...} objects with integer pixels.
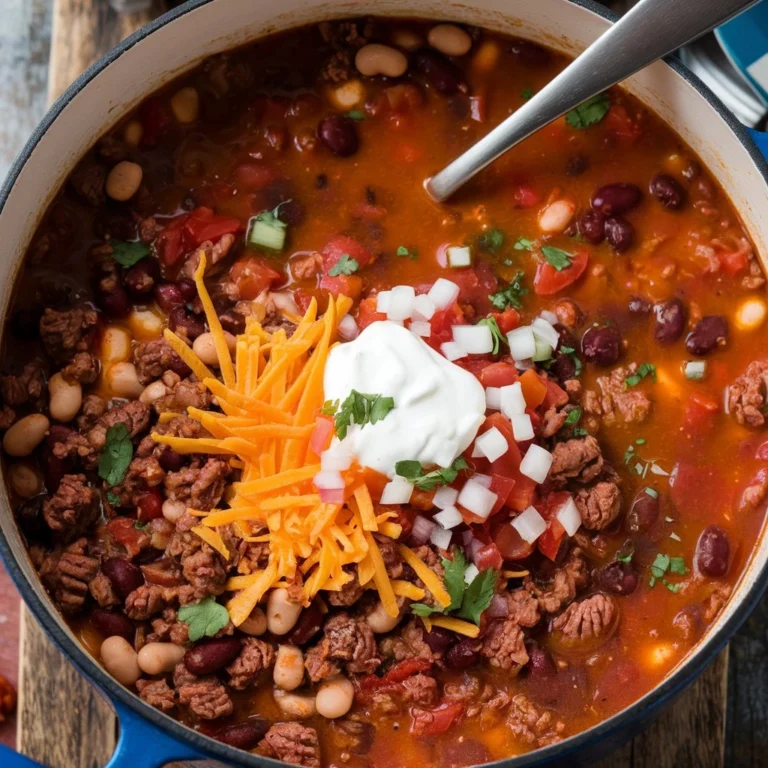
[
  {"x": 566, "y": 582},
  {"x": 391, "y": 556},
  {"x": 134, "y": 414},
  {"x": 713, "y": 604},
  {"x": 142, "y": 474},
  {"x": 63, "y": 333},
  {"x": 747, "y": 395},
  {"x": 754, "y": 494},
  {"x": 169, "y": 628},
  {"x": 205, "y": 571},
  {"x": 214, "y": 253},
  {"x": 292, "y": 743},
  {"x": 569, "y": 314},
  {"x": 419, "y": 689},
  {"x": 29, "y": 386},
  {"x": 552, "y": 422},
  {"x": 149, "y": 600},
  {"x": 408, "y": 643},
  {"x": 632, "y": 405},
  {"x": 532, "y": 725},
  {"x": 181, "y": 394},
  {"x": 599, "y": 505},
  {"x": 206, "y": 697},
  {"x": 83, "y": 368},
  {"x": 157, "y": 693},
  {"x": 7, "y": 417},
  {"x": 75, "y": 571},
  {"x": 88, "y": 181},
  {"x": 103, "y": 592},
  {"x": 523, "y": 608},
  {"x": 77, "y": 448},
  {"x": 504, "y": 646},
  {"x": 72, "y": 508},
  {"x": 351, "y": 641},
  {"x": 180, "y": 426},
  {"x": 579, "y": 459},
  {"x": 318, "y": 662},
  {"x": 208, "y": 487},
  {"x": 92, "y": 409},
  {"x": 348, "y": 595},
  {"x": 306, "y": 267},
  {"x": 593, "y": 619},
  {"x": 255, "y": 657},
  {"x": 153, "y": 359}
]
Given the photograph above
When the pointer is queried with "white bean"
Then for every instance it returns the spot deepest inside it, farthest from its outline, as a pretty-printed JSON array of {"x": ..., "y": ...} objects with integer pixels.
[
  {"x": 124, "y": 381},
  {"x": 26, "y": 434},
  {"x": 288, "y": 673},
  {"x": 335, "y": 697},
  {"x": 65, "y": 398},
  {"x": 185, "y": 104},
  {"x": 132, "y": 133},
  {"x": 124, "y": 180},
  {"x": 255, "y": 624},
  {"x": 205, "y": 348},
  {"x": 449, "y": 39},
  {"x": 115, "y": 345},
  {"x": 347, "y": 95},
  {"x": 380, "y": 621},
  {"x": 145, "y": 324},
  {"x": 173, "y": 510},
  {"x": 120, "y": 660},
  {"x": 556, "y": 216},
  {"x": 297, "y": 705},
  {"x": 25, "y": 479},
  {"x": 377, "y": 59},
  {"x": 156, "y": 658},
  {"x": 282, "y": 613},
  {"x": 153, "y": 391}
]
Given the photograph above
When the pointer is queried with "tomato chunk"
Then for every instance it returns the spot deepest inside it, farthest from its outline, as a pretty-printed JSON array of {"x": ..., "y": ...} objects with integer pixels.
[
  {"x": 431, "y": 722},
  {"x": 510, "y": 543},
  {"x": 342, "y": 285},
  {"x": 548, "y": 280},
  {"x": 534, "y": 388},
  {"x": 252, "y": 275},
  {"x": 367, "y": 314},
  {"x": 498, "y": 375},
  {"x": 340, "y": 245}
]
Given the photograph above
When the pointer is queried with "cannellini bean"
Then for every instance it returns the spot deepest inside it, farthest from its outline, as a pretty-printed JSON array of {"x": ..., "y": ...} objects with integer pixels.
[
  {"x": 25, "y": 480},
  {"x": 751, "y": 314},
  {"x": 255, "y": 624},
  {"x": 335, "y": 697},
  {"x": 556, "y": 216},
  {"x": 487, "y": 57},
  {"x": 297, "y": 705},
  {"x": 124, "y": 381},
  {"x": 65, "y": 397},
  {"x": 153, "y": 391},
  {"x": 120, "y": 660},
  {"x": 377, "y": 59},
  {"x": 185, "y": 104},
  {"x": 449, "y": 39},
  {"x": 26, "y": 434},
  {"x": 115, "y": 345},
  {"x": 173, "y": 510},
  {"x": 145, "y": 324},
  {"x": 347, "y": 95},
  {"x": 380, "y": 621},
  {"x": 205, "y": 348},
  {"x": 124, "y": 180},
  {"x": 282, "y": 613},
  {"x": 157, "y": 658},
  {"x": 132, "y": 133},
  {"x": 288, "y": 672},
  {"x": 407, "y": 39}
]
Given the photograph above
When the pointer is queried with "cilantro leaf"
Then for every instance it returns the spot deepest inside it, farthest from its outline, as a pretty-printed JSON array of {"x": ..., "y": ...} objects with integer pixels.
[
  {"x": 573, "y": 416},
  {"x": 422, "y": 609},
  {"x": 498, "y": 337},
  {"x": 677, "y": 565},
  {"x": 590, "y": 112},
  {"x": 128, "y": 254},
  {"x": 626, "y": 558},
  {"x": 674, "y": 588},
  {"x": 205, "y": 618},
  {"x": 411, "y": 253},
  {"x": 523, "y": 244},
  {"x": 558, "y": 258},
  {"x": 117, "y": 455},
  {"x": 413, "y": 472},
  {"x": 113, "y": 499},
  {"x": 329, "y": 407},
  {"x": 356, "y": 114},
  {"x": 491, "y": 240},
  {"x": 478, "y": 595},
  {"x": 359, "y": 409},
  {"x": 526, "y": 94},
  {"x": 344, "y": 266},
  {"x": 454, "y": 578},
  {"x": 511, "y": 295},
  {"x": 580, "y": 432},
  {"x": 645, "y": 369}
]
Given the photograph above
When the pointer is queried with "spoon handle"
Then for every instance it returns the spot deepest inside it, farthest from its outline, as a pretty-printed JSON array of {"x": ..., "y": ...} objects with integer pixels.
[{"x": 650, "y": 31}]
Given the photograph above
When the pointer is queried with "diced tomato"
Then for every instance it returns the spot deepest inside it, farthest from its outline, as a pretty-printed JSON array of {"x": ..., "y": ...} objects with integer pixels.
[
  {"x": 548, "y": 280},
  {"x": 700, "y": 411},
  {"x": 253, "y": 176},
  {"x": 431, "y": 722},
  {"x": 186, "y": 232},
  {"x": 526, "y": 197},
  {"x": 422, "y": 500},
  {"x": 734, "y": 262},
  {"x": 395, "y": 676},
  {"x": 442, "y": 323},
  {"x": 488, "y": 556},
  {"x": 502, "y": 487},
  {"x": 168, "y": 245},
  {"x": 620, "y": 123},
  {"x": 125, "y": 532},
  {"x": 303, "y": 299},
  {"x": 339, "y": 245},
  {"x": 498, "y": 375},
  {"x": 475, "y": 285},
  {"x": 367, "y": 314},
  {"x": 342, "y": 285},
  {"x": 252, "y": 275},
  {"x": 508, "y": 465},
  {"x": 549, "y": 542},
  {"x": 510, "y": 543},
  {"x": 507, "y": 320},
  {"x": 321, "y": 434},
  {"x": 403, "y": 97},
  {"x": 478, "y": 108},
  {"x": 534, "y": 388},
  {"x": 554, "y": 396},
  {"x": 155, "y": 119},
  {"x": 149, "y": 506}
]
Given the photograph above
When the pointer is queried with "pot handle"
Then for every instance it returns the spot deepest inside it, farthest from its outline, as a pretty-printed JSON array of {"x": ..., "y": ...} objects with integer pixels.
[{"x": 761, "y": 141}]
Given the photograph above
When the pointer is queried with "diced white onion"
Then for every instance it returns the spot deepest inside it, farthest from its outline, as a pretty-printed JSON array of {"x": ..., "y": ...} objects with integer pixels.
[
  {"x": 530, "y": 525},
  {"x": 512, "y": 399},
  {"x": 522, "y": 343},
  {"x": 522, "y": 426},
  {"x": 493, "y": 398},
  {"x": 543, "y": 351},
  {"x": 443, "y": 293},
  {"x": 474, "y": 339},
  {"x": 421, "y": 328},
  {"x": 445, "y": 497},
  {"x": 569, "y": 517},
  {"x": 476, "y": 452},
  {"x": 492, "y": 444},
  {"x": 452, "y": 351},
  {"x": 657, "y": 470},
  {"x": 477, "y": 499},
  {"x": 484, "y": 480},
  {"x": 348, "y": 329},
  {"x": 328, "y": 480},
  {"x": 459, "y": 256},
  {"x": 397, "y": 492},
  {"x": 550, "y": 317},
  {"x": 695, "y": 369},
  {"x": 524, "y": 365},
  {"x": 284, "y": 300},
  {"x": 545, "y": 332},
  {"x": 383, "y": 299},
  {"x": 449, "y": 517},
  {"x": 441, "y": 538},
  {"x": 401, "y": 302},
  {"x": 536, "y": 463},
  {"x": 470, "y": 573},
  {"x": 422, "y": 529},
  {"x": 423, "y": 307},
  {"x": 337, "y": 458}
]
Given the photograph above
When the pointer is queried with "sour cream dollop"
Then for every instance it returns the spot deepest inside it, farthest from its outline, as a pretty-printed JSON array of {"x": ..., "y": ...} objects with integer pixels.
[{"x": 438, "y": 406}]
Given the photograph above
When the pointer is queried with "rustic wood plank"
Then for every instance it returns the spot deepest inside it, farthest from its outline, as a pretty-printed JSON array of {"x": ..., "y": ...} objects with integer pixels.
[{"x": 10, "y": 604}]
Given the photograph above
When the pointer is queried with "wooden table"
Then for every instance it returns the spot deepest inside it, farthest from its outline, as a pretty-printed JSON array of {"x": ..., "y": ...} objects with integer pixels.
[{"x": 721, "y": 721}]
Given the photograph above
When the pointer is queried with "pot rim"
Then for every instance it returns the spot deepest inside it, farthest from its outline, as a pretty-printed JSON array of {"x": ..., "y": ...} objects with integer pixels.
[{"x": 680, "y": 678}]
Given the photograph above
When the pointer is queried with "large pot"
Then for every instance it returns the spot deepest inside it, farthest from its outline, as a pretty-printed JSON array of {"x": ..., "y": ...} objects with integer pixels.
[{"x": 177, "y": 42}]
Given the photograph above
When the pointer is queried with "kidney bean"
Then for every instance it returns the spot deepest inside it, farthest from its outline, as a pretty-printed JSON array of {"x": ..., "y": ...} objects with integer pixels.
[
  {"x": 245, "y": 735},
  {"x": 169, "y": 460},
  {"x": 639, "y": 306},
  {"x": 670, "y": 321},
  {"x": 601, "y": 345},
  {"x": 619, "y": 233},
  {"x": 111, "y": 623},
  {"x": 307, "y": 625},
  {"x": 564, "y": 367},
  {"x": 438, "y": 639},
  {"x": 463, "y": 654},
  {"x": 708, "y": 334},
  {"x": 180, "y": 318},
  {"x": 339, "y": 134},
  {"x": 613, "y": 199},
  {"x": 667, "y": 191},
  {"x": 542, "y": 665},
  {"x": 188, "y": 288},
  {"x": 211, "y": 655},
  {"x": 150, "y": 506},
  {"x": 124, "y": 575},
  {"x": 618, "y": 578},
  {"x": 141, "y": 278},
  {"x": 529, "y": 54},
  {"x": 643, "y": 512},
  {"x": 115, "y": 303},
  {"x": 168, "y": 297},
  {"x": 712, "y": 552},
  {"x": 592, "y": 227},
  {"x": 232, "y": 322},
  {"x": 441, "y": 73},
  {"x": 25, "y": 324}
]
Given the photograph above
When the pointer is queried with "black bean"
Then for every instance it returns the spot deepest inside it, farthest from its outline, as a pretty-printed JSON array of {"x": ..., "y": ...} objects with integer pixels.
[
  {"x": 308, "y": 625},
  {"x": 188, "y": 289},
  {"x": 618, "y": 578},
  {"x": 232, "y": 322},
  {"x": 291, "y": 212},
  {"x": 463, "y": 654},
  {"x": 712, "y": 552},
  {"x": 667, "y": 191},
  {"x": 619, "y": 233},
  {"x": 613, "y": 199},
  {"x": 530, "y": 54},
  {"x": 643, "y": 512},
  {"x": 542, "y": 665},
  {"x": 601, "y": 345},
  {"x": 339, "y": 134},
  {"x": 670, "y": 321},
  {"x": 440, "y": 72},
  {"x": 245, "y": 735},
  {"x": 709, "y": 333},
  {"x": 29, "y": 516},
  {"x": 592, "y": 226},
  {"x": 124, "y": 575}
]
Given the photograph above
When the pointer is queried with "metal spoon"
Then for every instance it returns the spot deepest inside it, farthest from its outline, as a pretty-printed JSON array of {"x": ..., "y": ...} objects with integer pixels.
[{"x": 650, "y": 31}]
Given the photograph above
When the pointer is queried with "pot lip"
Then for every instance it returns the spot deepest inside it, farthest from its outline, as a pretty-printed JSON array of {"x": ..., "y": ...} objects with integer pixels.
[{"x": 612, "y": 726}]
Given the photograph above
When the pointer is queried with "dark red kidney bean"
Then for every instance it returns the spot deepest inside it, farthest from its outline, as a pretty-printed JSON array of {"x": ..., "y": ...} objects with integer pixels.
[
  {"x": 110, "y": 623},
  {"x": 639, "y": 306},
  {"x": 601, "y": 345},
  {"x": 168, "y": 297},
  {"x": 244, "y": 735},
  {"x": 188, "y": 288},
  {"x": 667, "y": 191},
  {"x": 438, "y": 639},
  {"x": 592, "y": 227},
  {"x": 124, "y": 575},
  {"x": 618, "y": 578},
  {"x": 211, "y": 655},
  {"x": 150, "y": 506},
  {"x": 542, "y": 665},
  {"x": 564, "y": 367},
  {"x": 712, "y": 552},
  {"x": 463, "y": 654},
  {"x": 115, "y": 303},
  {"x": 339, "y": 134},
  {"x": 308, "y": 625},
  {"x": 670, "y": 321},
  {"x": 179, "y": 367},
  {"x": 141, "y": 278},
  {"x": 529, "y": 54},
  {"x": 440, "y": 72},
  {"x": 708, "y": 334},
  {"x": 181, "y": 319},
  {"x": 619, "y": 233},
  {"x": 169, "y": 460},
  {"x": 576, "y": 165},
  {"x": 25, "y": 324},
  {"x": 643, "y": 513},
  {"x": 54, "y": 468},
  {"x": 232, "y": 322},
  {"x": 613, "y": 199}
]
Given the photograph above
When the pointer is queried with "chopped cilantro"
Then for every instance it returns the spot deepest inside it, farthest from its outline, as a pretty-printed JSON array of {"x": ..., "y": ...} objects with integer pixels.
[
  {"x": 674, "y": 588},
  {"x": 573, "y": 416},
  {"x": 558, "y": 258},
  {"x": 478, "y": 596},
  {"x": 577, "y": 364},
  {"x": 410, "y": 253},
  {"x": 511, "y": 295},
  {"x": 454, "y": 578},
  {"x": 128, "y": 254},
  {"x": 113, "y": 499},
  {"x": 329, "y": 407},
  {"x": 677, "y": 565},
  {"x": 498, "y": 337},
  {"x": 491, "y": 240},
  {"x": 344, "y": 266},
  {"x": 640, "y": 441},
  {"x": 590, "y": 112},
  {"x": 361, "y": 409},
  {"x": 139, "y": 526},
  {"x": 523, "y": 244},
  {"x": 414, "y": 473},
  {"x": 645, "y": 369},
  {"x": 526, "y": 94},
  {"x": 117, "y": 455},
  {"x": 580, "y": 432},
  {"x": 356, "y": 114},
  {"x": 205, "y": 618},
  {"x": 664, "y": 564},
  {"x": 627, "y": 557}
]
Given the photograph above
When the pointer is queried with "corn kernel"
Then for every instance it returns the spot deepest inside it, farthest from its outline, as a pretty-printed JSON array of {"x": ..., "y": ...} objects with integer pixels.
[{"x": 751, "y": 314}]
